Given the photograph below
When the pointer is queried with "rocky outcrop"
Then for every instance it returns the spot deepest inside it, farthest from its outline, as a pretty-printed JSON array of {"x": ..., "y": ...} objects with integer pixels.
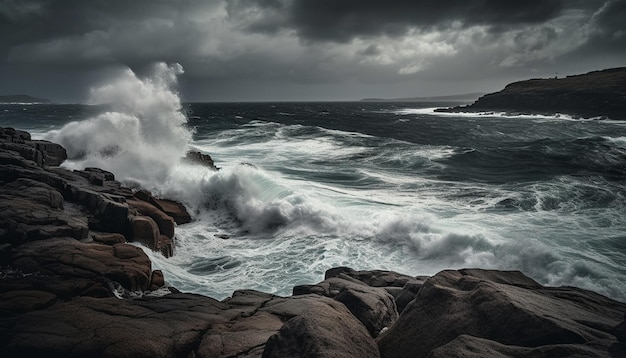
[
  {"x": 503, "y": 314},
  {"x": 591, "y": 95},
  {"x": 197, "y": 157},
  {"x": 42, "y": 200},
  {"x": 71, "y": 285}
]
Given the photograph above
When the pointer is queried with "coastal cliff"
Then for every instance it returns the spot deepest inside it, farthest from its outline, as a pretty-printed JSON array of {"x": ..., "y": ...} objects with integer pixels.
[
  {"x": 597, "y": 94},
  {"x": 73, "y": 284}
]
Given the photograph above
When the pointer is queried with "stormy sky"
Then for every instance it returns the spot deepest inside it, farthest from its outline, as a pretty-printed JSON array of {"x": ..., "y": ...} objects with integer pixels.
[{"x": 264, "y": 50}]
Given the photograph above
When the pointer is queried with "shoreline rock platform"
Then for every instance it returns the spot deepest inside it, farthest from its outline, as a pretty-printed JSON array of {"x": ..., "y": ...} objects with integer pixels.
[
  {"x": 71, "y": 285},
  {"x": 597, "y": 94}
]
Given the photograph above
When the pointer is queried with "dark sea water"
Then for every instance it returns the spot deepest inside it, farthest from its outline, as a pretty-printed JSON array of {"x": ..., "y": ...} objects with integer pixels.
[{"x": 304, "y": 187}]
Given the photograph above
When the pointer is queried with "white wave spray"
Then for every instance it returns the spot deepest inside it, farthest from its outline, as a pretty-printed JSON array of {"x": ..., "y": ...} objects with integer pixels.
[{"x": 142, "y": 134}]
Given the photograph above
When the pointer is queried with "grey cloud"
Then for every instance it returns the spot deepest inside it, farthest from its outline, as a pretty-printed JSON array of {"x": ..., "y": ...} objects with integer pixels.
[
  {"x": 40, "y": 21},
  {"x": 341, "y": 21},
  {"x": 272, "y": 48}
]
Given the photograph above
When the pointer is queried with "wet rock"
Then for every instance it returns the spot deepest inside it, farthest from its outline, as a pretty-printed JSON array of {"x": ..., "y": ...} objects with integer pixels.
[
  {"x": 65, "y": 257},
  {"x": 323, "y": 329},
  {"x": 200, "y": 158},
  {"x": 373, "y": 306},
  {"x": 53, "y": 153},
  {"x": 503, "y": 307}
]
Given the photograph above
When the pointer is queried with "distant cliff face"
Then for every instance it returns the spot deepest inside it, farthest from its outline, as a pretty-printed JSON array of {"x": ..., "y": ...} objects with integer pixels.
[{"x": 595, "y": 94}]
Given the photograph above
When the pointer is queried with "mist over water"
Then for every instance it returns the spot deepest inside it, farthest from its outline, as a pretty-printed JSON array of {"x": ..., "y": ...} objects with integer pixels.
[{"x": 308, "y": 186}]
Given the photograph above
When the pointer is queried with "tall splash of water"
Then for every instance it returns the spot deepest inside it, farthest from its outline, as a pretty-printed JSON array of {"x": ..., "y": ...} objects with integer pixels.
[{"x": 140, "y": 137}]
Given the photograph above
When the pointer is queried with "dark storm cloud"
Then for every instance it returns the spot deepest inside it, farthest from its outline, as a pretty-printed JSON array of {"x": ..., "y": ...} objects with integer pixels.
[
  {"x": 341, "y": 21},
  {"x": 105, "y": 29},
  {"x": 611, "y": 25},
  {"x": 310, "y": 44}
]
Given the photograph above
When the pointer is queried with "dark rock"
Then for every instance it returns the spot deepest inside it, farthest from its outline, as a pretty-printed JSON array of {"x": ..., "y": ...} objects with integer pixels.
[
  {"x": 163, "y": 221},
  {"x": 474, "y": 347},
  {"x": 595, "y": 94},
  {"x": 122, "y": 263},
  {"x": 145, "y": 231},
  {"x": 324, "y": 329},
  {"x": 172, "y": 208},
  {"x": 504, "y": 307},
  {"x": 373, "y": 306},
  {"x": 53, "y": 154},
  {"x": 71, "y": 286},
  {"x": 107, "y": 238},
  {"x": 620, "y": 331},
  {"x": 200, "y": 158}
]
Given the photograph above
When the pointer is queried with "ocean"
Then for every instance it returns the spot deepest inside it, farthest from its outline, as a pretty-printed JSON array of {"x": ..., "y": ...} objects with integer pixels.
[{"x": 304, "y": 187}]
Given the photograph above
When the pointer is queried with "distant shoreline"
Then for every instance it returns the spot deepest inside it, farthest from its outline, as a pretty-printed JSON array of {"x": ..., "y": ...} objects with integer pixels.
[
  {"x": 465, "y": 97},
  {"x": 597, "y": 94},
  {"x": 22, "y": 98}
]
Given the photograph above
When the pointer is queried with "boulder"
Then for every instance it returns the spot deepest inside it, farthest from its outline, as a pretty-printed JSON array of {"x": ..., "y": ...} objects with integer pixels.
[
  {"x": 373, "y": 306},
  {"x": 323, "y": 329},
  {"x": 402, "y": 287},
  {"x": 505, "y": 307}
]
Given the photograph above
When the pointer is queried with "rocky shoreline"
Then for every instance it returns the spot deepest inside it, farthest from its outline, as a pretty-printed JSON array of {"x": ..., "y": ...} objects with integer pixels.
[
  {"x": 72, "y": 285},
  {"x": 597, "y": 94}
]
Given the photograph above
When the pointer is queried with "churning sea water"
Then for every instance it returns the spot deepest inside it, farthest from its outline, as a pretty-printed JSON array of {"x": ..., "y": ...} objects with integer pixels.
[{"x": 304, "y": 187}]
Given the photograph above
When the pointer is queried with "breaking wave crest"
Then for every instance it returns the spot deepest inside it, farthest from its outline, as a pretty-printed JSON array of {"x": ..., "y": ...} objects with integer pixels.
[{"x": 140, "y": 136}]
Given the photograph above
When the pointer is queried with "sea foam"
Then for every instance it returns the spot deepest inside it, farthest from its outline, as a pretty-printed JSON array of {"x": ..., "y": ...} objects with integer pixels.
[{"x": 140, "y": 136}]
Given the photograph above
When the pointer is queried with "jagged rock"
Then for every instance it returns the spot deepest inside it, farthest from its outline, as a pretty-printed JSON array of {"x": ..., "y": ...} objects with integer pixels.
[
  {"x": 163, "y": 221},
  {"x": 32, "y": 210},
  {"x": 504, "y": 307},
  {"x": 402, "y": 287},
  {"x": 53, "y": 154},
  {"x": 40, "y": 152},
  {"x": 174, "y": 209},
  {"x": 200, "y": 158}
]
